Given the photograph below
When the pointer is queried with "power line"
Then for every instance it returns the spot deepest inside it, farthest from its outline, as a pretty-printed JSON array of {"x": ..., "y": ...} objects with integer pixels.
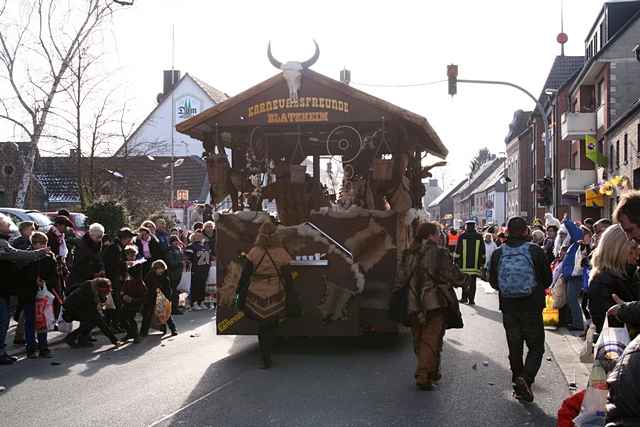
[{"x": 400, "y": 85}]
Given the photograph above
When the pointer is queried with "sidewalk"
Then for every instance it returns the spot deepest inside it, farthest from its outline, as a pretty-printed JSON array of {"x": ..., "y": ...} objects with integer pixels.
[
  {"x": 54, "y": 337},
  {"x": 564, "y": 347}
]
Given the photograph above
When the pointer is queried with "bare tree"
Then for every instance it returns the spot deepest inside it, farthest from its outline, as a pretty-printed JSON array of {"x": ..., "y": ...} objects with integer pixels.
[{"x": 36, "y": 53}]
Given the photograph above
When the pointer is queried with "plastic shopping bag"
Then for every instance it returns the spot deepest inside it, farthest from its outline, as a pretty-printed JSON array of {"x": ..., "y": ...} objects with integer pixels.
[
  {"x": 162, "y": 310},
  {"x": 586, "y": 354},
  {"x": 559, "y": 292},
  {"x": 593, "y": 410},
  {"x": 611, "y": 344},
  {"x": 45, "y": 318},
  {"x": 64, "y": 326},
  {"x": 185, "y": 281},
  {"x": 550, "y": 315},
  {"x": 211, "y": 277}
]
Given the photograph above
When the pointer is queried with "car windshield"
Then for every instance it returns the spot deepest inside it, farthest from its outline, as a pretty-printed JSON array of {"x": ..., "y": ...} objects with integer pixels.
[{"x": 42, "y": 220}]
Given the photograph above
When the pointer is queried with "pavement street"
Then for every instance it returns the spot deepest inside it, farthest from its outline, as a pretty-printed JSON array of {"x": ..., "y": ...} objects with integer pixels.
[{"x": 200, "y": 379}]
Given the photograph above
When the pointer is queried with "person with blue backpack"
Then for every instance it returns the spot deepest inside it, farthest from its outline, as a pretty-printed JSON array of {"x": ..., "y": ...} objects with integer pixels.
[{"x": 520, "y": 272}]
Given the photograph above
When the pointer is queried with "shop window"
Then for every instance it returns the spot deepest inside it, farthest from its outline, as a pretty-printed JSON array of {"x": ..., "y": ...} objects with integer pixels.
[{"x": 617, "y": 154}]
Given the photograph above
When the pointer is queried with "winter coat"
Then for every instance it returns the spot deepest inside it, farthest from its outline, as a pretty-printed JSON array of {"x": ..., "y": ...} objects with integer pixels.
[
  {"x": 135, "y": 288},
  {"x": 82, "y": 303},
  {"x": 154, "y": 248},
  {"x": 11, "y": 261},
  {"x": 21, "y": 243},
  {"x": 548, "y": 249},
  {"x": 470, "y": 253},
  {"x": 153, "y": 282},
  {"x": 534, "y": 302},
  {"x": 46, "y": 269},
  {"x": 575, "y": 234},
  {"x": 601, "y": 287},
  {"x": 88, "y": 260},
  {"x": 174, "y": 259},
  {"x": 430, "y": 273},
  {"x": 115, "y": 264},
  {"x": 266, "y": 294},
  {"x": 623, "y": 407}
]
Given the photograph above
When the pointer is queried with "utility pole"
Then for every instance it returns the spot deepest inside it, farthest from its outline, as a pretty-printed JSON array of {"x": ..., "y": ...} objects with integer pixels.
[{"x": 173, "y": 110}]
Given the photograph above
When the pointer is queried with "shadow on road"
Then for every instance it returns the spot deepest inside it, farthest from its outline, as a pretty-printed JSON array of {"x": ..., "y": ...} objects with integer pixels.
[{"x": 347, "y": 381}]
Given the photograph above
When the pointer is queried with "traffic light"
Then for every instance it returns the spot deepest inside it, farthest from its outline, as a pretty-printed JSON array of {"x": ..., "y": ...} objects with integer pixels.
[
  {"x": 544, "y": 191},
  {"x": 452, "y": 74}
]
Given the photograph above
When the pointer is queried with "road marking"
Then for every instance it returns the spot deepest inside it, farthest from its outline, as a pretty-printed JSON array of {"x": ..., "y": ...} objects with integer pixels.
[{"x": 188, "y": 405}]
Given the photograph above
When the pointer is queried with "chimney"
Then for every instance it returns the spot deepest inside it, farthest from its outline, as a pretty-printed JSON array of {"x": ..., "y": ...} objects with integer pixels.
[{"x": 167, "y": 84}]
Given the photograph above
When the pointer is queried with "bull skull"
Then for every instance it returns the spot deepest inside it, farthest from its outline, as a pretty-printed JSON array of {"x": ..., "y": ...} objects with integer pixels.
[{"x": 292, "y": 71}]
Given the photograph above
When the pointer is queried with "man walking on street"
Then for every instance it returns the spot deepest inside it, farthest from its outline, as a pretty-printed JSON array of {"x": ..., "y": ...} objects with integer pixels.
[
  {"x": 520, "y": 272},
  {"x": 470, "y": 256}
]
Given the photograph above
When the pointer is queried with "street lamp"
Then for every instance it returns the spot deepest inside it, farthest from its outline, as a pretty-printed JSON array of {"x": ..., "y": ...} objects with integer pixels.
[{"x": 505, "y": 180}]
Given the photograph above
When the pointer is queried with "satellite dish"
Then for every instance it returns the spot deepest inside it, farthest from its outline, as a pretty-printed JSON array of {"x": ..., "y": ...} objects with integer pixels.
[
  {"x": 165, "y": 165},
  {"x": 151, "y": 158},
  {"x": 167, "y": 178},
  {"x": 178, "y": 162}
]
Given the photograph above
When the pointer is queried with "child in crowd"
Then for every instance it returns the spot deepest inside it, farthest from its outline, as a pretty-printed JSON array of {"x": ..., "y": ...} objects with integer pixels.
[
  {"x": 133, "y": 293},
  {"x": 199, "y": 257},
  {"x": 176, "y": 264},
  {"x": 23, "y": 242},
  {"x": 36, "y": 276},
  {"x": 157, "y": 278}
]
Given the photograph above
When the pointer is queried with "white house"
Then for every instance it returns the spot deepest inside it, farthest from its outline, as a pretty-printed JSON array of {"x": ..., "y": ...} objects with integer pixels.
[{"x": 185, "y": 97}]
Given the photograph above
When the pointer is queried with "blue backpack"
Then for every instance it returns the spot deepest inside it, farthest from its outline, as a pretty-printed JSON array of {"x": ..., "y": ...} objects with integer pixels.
[{"x": 516, "y": 275}]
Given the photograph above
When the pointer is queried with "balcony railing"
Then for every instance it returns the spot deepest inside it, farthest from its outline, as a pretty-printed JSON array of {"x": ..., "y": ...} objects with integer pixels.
[
  {"x": 577, "y": 125},
  {"x": 573, "y": 182}
]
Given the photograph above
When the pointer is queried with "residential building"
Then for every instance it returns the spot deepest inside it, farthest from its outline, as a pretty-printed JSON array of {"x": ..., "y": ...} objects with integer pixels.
[
  {"x": 519, "y": 174},
  {"x": 624, "y": 134},
  {"x": 606, "y": 87},
  {"x": 464, "y": 206},
  {"x": 431, "y": 191},
  {"x": 490, "y": 197},
  {"x": 550, "y": 161},
  {"x": 441, "y": 208},
  {"x": 183, "y": 96}
]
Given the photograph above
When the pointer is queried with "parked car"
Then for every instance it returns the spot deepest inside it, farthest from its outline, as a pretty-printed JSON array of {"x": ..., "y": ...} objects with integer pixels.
[
  {"x": 79, "y": 222},
  {"x": 18, "y": 215}
]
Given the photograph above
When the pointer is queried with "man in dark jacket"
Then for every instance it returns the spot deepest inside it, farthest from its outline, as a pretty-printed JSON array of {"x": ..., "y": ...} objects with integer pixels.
[
  {"x": 82, "y": 305},
  {"x": 115, "y": 266},
  {"x": 470, "y": 256},
  {"x": 520, "y": 272},
  {"x": 11, "y": 260},
  {"x": 89, "y": 264}
]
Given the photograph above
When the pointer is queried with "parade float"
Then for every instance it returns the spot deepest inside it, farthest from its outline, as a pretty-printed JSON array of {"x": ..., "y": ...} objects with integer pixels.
[{"x": 269, "y": 146}]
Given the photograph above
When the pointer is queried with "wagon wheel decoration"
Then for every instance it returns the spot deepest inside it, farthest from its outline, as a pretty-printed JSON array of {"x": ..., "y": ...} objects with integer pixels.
[{"x": 344, "y": 144}]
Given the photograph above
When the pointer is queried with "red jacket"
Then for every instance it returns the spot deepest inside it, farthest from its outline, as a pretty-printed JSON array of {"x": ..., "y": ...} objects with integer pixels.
[{"x": 570, "y": 409}]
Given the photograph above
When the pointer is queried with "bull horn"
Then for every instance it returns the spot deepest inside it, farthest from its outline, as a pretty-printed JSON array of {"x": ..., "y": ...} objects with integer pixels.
[
  {"x": 308, "y": 63},
  {"x": 273, "y": 60}
]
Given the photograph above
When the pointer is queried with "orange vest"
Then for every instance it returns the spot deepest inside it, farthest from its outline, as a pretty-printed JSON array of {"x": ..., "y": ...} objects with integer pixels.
[{"x": 453, "y": 239}]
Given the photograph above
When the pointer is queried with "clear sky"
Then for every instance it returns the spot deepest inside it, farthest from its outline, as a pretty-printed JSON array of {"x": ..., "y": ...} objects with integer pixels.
[{"x": 381, "y": 42}]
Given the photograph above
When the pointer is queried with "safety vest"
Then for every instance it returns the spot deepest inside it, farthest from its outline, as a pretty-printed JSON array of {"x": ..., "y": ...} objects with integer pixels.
[
  {"x": 475, "y": 268},
  {"x": 452, "y": 239}
]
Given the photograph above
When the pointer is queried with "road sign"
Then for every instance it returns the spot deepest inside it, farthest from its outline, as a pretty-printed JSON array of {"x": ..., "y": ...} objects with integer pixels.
[{"x": 182, "y": 195}]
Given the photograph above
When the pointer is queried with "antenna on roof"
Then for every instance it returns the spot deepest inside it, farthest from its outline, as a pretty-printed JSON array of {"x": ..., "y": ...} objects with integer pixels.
[{"x": 562, "y": 37}]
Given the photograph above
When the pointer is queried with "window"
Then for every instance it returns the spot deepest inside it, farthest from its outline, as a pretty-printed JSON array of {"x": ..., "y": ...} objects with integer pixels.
[
  {"x": 617, "y": 154},
  {"x": 600, "y": 93},
  {"x": 626, "y": 150},
  {"x": 611, "y": 157}
]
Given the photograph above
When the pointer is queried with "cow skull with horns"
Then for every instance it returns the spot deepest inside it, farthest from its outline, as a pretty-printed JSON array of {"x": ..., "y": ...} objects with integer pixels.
[{"x": 292, "y": 71}]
